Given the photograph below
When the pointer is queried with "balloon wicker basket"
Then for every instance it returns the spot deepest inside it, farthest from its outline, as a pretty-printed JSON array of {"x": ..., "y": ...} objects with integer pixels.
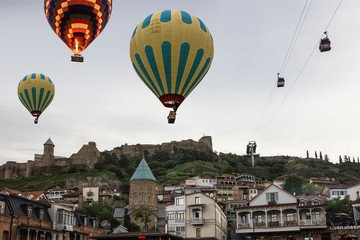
[
  {"x": 77, "y": 58},
  {"x": 171, "y": 117}
]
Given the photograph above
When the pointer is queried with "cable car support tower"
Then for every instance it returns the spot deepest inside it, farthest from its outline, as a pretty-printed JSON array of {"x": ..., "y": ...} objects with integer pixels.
[{"x": 250, "y": 150}]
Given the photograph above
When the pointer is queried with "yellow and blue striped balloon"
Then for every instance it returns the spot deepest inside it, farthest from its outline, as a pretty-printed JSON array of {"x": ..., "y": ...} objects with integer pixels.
[
  {"x": 171, "y": 51},
  {"x": 36, "y": 91}
]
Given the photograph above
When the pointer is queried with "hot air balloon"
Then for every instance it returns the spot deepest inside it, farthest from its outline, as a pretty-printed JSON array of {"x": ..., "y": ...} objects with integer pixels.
[
  {"x": 36, "y": 91},
  {"x": 171, "y": 51},
  {"x": 78, "y": 22}
]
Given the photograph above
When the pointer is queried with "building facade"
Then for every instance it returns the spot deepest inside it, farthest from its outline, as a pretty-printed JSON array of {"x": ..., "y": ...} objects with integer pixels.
[
  {"x": 204, "y": 218},
  {"x": 276, "y": 214}
]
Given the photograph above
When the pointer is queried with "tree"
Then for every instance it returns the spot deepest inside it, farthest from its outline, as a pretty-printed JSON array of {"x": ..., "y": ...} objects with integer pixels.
[
  {"x": 102, "y": 211},
  {"x": 131, "y": 227},
  {"x": 321, "y": 156},
  {"x": 338, "y": 205},
  {"x": 326, "y": 158},
  {"x": 144, "y": 214},
  {"x": 124, "y": 161},
  {"x": 307, "y": 153},
  {"x": 293, "y": 184},
  {"x": 340, "y": 160},
  {"x": 315, "y": 155},
  {"x": 310, "y": 189}
]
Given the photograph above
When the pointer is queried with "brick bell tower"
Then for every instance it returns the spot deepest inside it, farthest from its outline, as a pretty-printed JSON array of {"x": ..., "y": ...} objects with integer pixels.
[{"x": 143, "y": 187}]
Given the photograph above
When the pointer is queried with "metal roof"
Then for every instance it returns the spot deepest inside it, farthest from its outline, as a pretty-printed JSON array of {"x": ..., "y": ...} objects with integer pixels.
[
  {"x": 143, "y": 172},
  {"x": 49, "y": 142},
  {"x": 119, "y": 213}
]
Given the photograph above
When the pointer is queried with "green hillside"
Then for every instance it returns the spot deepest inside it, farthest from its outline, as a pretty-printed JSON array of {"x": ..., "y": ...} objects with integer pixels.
[{"x": 175, "y": 167}]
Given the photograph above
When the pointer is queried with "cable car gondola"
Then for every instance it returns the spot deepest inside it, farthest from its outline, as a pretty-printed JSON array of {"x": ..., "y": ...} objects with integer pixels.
[
  {"x": 325, "y": 43},
  {"x": 281, "y": 81}
]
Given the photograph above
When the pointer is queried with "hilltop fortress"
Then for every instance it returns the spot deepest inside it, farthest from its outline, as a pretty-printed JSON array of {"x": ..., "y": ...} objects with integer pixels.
[{"x": 89, "y": 155}]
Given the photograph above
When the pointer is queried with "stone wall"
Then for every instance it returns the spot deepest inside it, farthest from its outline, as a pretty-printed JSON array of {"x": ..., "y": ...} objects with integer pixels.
[
  {"x": 89, "y": 155},
  {"x": 204, "y": 144}
]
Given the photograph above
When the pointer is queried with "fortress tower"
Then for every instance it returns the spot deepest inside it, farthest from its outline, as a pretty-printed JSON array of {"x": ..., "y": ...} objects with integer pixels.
[{"x": 48, "y": 150}]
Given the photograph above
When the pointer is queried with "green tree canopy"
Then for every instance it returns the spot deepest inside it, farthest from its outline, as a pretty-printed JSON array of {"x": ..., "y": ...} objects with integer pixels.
[
  {"x": 293, "y": 184},
  {"x": 337, "y": 205}
]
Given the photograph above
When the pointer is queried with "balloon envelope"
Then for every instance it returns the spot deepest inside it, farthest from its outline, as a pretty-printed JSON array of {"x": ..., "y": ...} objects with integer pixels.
[
  {"x": 171, "y": 51},
  {"x": 78, "y": 22},
  {"x": 36, "y": 91}
]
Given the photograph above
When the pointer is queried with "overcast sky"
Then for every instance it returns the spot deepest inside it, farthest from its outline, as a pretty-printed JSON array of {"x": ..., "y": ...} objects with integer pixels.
[{"x": 104, "y": 101}]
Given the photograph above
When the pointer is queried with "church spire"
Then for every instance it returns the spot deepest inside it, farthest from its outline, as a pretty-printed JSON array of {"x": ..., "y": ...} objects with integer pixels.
[{"x": 143, "y": 172}]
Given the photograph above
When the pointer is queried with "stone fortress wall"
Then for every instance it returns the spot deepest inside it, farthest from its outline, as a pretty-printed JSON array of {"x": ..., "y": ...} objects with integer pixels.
[
  {"x": 88, "y": 155},
  {"x": 204, "y": 144}
]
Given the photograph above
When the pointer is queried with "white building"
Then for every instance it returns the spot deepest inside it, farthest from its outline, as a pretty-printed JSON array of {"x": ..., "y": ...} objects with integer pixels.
[
  {"x": 335, "y": 191},
  {"x": 175, "y": 215},
  {"x": 91, "y": 194},
  {"x": 281, "y": 215},
  {"x": 354, "y": 192},
  {"x": 196, "y": 215}
]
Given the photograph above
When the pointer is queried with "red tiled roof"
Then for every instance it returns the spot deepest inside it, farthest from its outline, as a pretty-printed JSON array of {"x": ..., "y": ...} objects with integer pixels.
[{"x": 12, "y": 191}]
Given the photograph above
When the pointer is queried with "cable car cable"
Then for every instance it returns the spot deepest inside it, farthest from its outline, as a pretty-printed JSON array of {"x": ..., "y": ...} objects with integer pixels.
[
  {"x": 333, "y": 15},
  {"x": 286, "y": 59},
  {"x": 287, "y": 94},
  {"x": 298, "y": 33},
  {"x": 298, "y": 76},
  {"x": 293, "y": 37}
]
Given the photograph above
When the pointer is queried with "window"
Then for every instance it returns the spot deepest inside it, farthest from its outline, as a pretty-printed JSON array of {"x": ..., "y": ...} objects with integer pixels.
[
  {"x": 273, "y": 217},
  {"x": 258, "y": 219},
  {"x": 149, "y": 199},
  {"x": 272, "y": 197},
  {"x": 60, "y": 217},
  {"x": 198, "y": 232},
  {"x": 289, "y": 217},
  {"x": 357, "y": 195},
  {"x": 135, "y": 199},
  {"x": 171, "y": 215},
  {"x": 29, "y": 211},
  {"x": 316, "y": 215},
  {"x": 197, "y": 200},
  {"x": 2, "y": 207},
  {"x": 302, "y": 202},
  {"x": 142, "y": 198},
  {"x": 180, "y": 215},
  {"x": 179, "y": 201},
  {"x": 308, "y": 216},
  {"x": 197, "y": 214},
  {"x": 41, "y": 214},
  {"x": 315, "y": 201}
]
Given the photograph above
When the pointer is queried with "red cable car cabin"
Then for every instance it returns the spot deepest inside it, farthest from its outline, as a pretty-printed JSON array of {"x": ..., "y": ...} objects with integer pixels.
[{"x": 325, "y": 44}]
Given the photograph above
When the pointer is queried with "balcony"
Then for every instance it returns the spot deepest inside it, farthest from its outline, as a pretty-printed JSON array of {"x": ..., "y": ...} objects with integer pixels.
[
  {"x": 312, "y": 222},
  {"x": 197, "y": 221},
  {"x": 179, "y": 220},
  {"x": 244, "y": 225}
]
